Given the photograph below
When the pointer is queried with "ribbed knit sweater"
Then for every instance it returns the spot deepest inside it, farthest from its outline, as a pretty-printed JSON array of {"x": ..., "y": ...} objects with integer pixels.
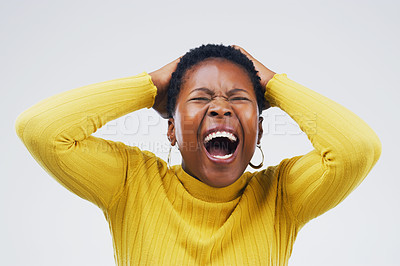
[{"x": 162, "y": 216}]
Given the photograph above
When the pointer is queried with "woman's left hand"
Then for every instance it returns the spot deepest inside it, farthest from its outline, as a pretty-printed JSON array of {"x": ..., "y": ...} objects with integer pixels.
[{"x": 263, "y": 72}]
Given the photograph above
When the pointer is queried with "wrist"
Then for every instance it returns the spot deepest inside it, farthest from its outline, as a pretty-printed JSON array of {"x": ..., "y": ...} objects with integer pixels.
[
  {"x": 155, "y": 79},
  {"x": 159, "y": 81},
  {"x": 270, "y": 76},
  {"x": 266, "y": 76}
]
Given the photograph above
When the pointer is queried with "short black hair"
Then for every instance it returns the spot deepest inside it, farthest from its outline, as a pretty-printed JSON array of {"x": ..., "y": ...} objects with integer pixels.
[{"x": 199, "y": 54}]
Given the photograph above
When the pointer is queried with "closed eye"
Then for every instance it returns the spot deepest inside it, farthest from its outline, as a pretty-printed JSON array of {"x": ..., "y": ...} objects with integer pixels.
[
  {"x": 200, "y": 99},
  {"x": 239, "y": 99}
]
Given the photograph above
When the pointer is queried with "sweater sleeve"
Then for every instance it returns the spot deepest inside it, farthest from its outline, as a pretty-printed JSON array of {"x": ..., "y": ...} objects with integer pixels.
[
  {"x": 57, "y": 132},
  {"x": 345, "y": 149}
]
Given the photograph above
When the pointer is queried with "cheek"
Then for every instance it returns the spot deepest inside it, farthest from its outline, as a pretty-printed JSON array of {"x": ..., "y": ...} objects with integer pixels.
[
  {"x": 248, "y": 117},
  {"x": 187, "y": 125}
]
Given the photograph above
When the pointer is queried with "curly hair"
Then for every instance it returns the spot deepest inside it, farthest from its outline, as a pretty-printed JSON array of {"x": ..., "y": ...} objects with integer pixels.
[{"x": 199, "y": 54}]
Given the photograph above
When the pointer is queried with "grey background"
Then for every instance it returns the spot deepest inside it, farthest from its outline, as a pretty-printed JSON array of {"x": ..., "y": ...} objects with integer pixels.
[{"x": 345, "y": 50}]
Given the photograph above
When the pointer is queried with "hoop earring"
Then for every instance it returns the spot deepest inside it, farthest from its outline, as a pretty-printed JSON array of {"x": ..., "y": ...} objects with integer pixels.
[
  {"x": 262, "y": 161},
  {"x": 169, "y": 156}
]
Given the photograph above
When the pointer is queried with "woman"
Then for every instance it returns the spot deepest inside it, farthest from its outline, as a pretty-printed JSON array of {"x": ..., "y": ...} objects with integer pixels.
[{"x": 207, "y": 210}]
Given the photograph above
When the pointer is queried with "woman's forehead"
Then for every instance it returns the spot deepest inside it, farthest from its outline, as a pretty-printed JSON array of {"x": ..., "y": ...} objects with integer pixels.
[{"x": 216, "y": 73}]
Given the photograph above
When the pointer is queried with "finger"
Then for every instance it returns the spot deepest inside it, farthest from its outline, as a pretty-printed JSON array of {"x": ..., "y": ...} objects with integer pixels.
[{"x": 242, "y": 50}]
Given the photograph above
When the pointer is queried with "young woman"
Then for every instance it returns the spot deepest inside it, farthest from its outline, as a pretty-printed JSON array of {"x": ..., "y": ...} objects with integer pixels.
[{"x": 206, "y": 210}]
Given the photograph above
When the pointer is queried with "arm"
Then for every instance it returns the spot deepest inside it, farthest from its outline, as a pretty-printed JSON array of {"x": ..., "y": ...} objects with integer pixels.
[
  {"x": 57, "y": 132},
  {"x": 345, "y": 147}
]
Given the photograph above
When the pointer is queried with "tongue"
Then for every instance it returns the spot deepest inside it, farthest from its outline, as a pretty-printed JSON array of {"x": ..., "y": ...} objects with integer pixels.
[{"x": 218, "y": 150}]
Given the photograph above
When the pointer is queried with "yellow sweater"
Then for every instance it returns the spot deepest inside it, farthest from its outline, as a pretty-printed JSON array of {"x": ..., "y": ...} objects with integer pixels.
[{"x": 159, "y": 215}]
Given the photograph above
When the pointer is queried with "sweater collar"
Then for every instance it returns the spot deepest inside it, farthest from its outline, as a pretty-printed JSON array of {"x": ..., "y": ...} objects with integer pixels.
[{"x": 208, "y": 193}]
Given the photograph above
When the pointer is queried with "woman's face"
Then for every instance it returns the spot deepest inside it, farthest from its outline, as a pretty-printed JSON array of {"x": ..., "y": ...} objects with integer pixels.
[{"x": 216, "y": 123}]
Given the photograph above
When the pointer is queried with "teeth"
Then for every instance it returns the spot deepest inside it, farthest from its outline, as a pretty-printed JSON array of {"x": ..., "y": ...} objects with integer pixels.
[
  {"x": 219, "y": 134},
  {"x": 222, "y": 156}
]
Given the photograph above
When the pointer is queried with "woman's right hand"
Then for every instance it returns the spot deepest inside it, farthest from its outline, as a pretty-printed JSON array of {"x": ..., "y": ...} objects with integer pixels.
[
  {"x": 264, "y": 73},
  {"x": 161, "y": 79}
]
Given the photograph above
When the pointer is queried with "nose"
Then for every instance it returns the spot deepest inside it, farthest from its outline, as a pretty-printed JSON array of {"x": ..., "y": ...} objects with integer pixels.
[{"x": 219, "y": 108}]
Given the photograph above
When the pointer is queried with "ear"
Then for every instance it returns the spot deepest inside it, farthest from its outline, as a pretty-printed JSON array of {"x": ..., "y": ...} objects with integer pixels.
[
  {"x": 260, "y": 129},
  {"x": 171, "y": 131}
]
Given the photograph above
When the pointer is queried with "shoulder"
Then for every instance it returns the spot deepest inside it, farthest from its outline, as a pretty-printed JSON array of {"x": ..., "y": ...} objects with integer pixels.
[
  {"x": 144, "y": 174},
  {"x": 262, "y": 182},
  {"x": 268, "y": 176},
  {"x": 271, "y": 180},
  {"x": 143, "y": 163}
]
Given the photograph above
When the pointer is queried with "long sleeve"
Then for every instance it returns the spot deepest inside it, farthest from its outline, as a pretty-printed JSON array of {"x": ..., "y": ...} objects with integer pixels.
[
  {"x": 57, "y": 132},
  {"x": 345, "y": 149}
]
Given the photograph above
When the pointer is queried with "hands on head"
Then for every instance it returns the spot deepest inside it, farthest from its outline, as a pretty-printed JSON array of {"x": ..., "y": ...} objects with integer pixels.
[
  {"x": 162, "y": 77},
  {"x": 264, "y": 73}
]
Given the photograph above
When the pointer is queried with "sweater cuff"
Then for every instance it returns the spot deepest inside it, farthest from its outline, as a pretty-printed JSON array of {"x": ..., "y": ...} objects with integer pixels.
[
  {"x": 273, "y": 85},
  {"x": 151, "y": 89}
]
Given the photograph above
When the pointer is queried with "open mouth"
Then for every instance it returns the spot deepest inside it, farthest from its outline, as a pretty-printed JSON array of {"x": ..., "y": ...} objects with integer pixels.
[{"x": 221, "y": 144}]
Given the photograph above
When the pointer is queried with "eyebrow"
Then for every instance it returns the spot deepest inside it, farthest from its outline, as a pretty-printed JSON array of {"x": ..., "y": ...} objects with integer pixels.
[
  {"x": 233, "y": 91},
  {"x": 208, "y": 91}
]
